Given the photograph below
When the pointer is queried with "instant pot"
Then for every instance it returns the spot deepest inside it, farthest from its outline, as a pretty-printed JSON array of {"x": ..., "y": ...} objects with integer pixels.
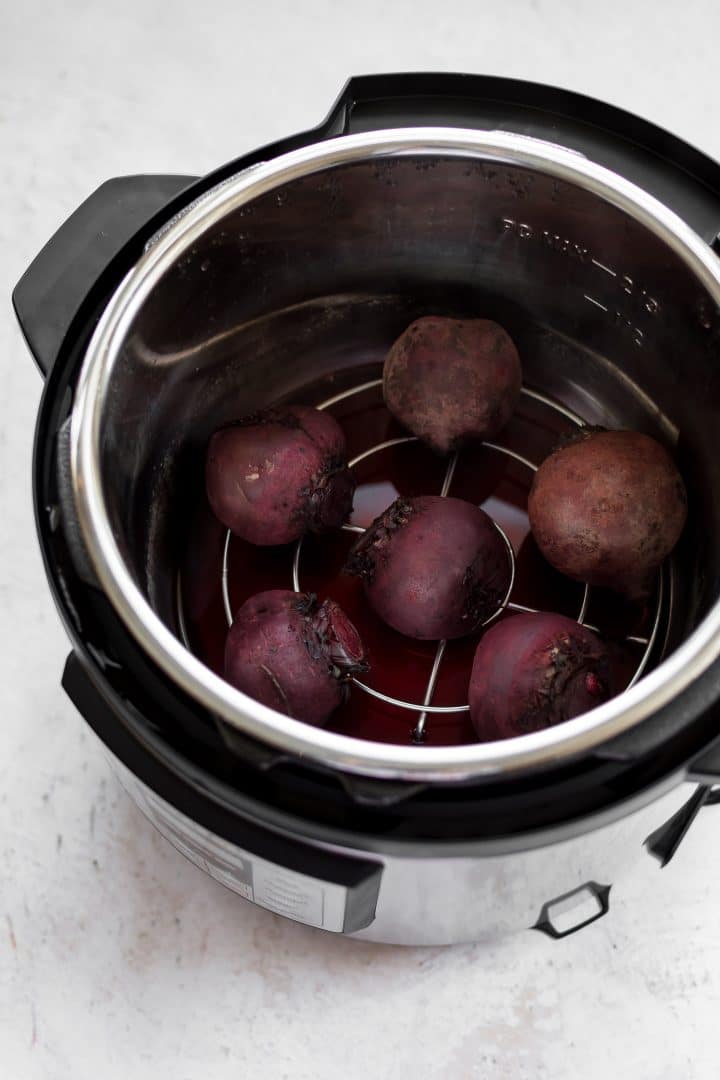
[{"x": 166, "y": 302}]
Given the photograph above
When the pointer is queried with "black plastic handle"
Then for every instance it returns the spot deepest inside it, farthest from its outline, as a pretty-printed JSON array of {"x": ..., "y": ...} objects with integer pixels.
[
  {"x": 664, "y": 841},
  {"x": 680, "y": 176},
  {"x": 52, "y": 289}
]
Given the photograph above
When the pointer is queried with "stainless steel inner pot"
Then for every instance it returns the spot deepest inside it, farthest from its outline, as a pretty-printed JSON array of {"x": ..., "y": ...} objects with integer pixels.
[{"x": 313, "y": 263}]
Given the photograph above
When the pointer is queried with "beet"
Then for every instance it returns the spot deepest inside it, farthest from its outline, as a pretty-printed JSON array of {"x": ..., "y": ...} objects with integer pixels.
[
  {"x": 607, "y": 508},
  {"x": 452, "y": 380},
  {"x": 288, "y": 652},
  {"x": 272, "y": 477},
  {"x": 432, "y": 567},
  {"x": 533, "y": 671}
]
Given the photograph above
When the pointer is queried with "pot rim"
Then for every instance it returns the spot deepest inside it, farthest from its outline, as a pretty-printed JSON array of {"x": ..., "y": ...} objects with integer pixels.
[{"x": 499, "y": 759}]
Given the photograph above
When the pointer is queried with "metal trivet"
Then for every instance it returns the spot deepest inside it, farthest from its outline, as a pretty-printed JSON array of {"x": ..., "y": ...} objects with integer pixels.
[{"x": 424, "y": 708}]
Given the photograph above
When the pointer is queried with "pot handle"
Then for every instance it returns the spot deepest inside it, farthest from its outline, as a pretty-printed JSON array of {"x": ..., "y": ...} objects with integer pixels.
[
  {"x": 443, "y": 99},
  {"x": 455, "y": 99},
  {"x": 663, "y": 843},
  {"x": 703, "y": 770},
  {"x": 685, "y": 180},
  {"x": 78, "y": 258}
]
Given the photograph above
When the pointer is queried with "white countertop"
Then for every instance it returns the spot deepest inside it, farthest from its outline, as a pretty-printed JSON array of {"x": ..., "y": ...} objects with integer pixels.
[{"x": 117, "y": 957}]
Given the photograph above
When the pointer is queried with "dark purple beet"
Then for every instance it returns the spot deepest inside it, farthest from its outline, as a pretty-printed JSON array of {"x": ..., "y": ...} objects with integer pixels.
[
  {"x": 288, "y": 652},
  {"x": 432, "y": 567},
  {"x": 607, "y": 508},
  {"x": 452, "y": 380},
  {"x": 533, "y": 671},
  {"x": 272, "y": 477}
]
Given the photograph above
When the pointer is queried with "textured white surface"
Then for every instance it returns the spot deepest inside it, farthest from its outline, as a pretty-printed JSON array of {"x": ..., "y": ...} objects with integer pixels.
[{"x": 118, "y": 958}]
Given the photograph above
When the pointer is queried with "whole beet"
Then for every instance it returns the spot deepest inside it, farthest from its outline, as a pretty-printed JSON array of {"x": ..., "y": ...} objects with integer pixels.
[
  {"x": 288, "y": 652},
  {"x": 272, "y": 477},
  {"x": 432, "y": 567},
  {"x": 452, "y": 380},
  {"x": 533, "y": 671},
  {"x": 607, "y": 508}
]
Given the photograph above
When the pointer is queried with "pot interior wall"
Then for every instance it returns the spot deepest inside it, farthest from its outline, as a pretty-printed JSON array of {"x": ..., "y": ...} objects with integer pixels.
[{"x": 321, "y": 275}]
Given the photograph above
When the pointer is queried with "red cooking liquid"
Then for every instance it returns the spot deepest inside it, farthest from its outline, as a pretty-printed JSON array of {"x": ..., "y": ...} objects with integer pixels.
[{"x": 399, "y": 666}]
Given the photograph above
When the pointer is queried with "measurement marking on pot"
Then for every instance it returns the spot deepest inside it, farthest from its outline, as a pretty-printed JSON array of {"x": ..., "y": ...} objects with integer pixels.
[
  {"x": 650, "y": 304},
  {"x": 637, "y": 334},
  {"x": 602, "y": 266},
  {"x": 620, "y": 319},
  {"x": 523, "y": 230},
  {"x": 563, "y": 245}
]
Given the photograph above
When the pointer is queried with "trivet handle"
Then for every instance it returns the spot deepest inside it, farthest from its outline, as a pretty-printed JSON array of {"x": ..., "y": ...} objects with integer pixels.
[{"x": 77, "y": 261}]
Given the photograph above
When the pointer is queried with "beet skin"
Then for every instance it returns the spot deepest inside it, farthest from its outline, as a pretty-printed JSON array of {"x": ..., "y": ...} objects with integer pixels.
[
  {"x": 432, "y": 567},
  {"x": 608, "y": 508},
  {"x": 272, "y": 477},
  {"x": 288, "y": 652},
  {"x": 452, "y": 380},
  {"x": 533, "y": 671}
]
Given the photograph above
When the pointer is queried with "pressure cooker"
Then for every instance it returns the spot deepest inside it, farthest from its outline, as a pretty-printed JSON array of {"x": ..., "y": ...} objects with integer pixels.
[{"x": 167, "y": 305}]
